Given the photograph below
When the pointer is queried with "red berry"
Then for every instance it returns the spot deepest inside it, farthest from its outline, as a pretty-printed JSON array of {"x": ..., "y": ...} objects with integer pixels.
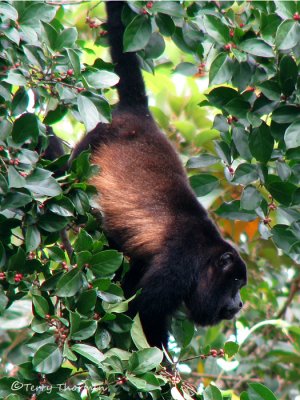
[
  {"x": 231, "y": 33},
  {"x": 2, "y": 276},
  {"x": 17, "y": 65},
  {"x": 80, "y": 89},
  {"x": 41, "y": 206},
  {"x": 24, "y": 174},
  {"x": 227, "y": 46},
  {"x": 90, "y": 286},
  {"x": 16, "y": 161},
  {"x": 144, "y": 12},
  {"x": 11, "y": 162},
  {"x": 70, "y": 72},
  {"x": 47, "y": 316},
  {"x": 149, "y": 4},
  {"x": 231, "y": 170},
  {"x": 221, "y": 353},
  {"x": 214, "y": 353},
  {"x": 267, "y": 220},
  {"x": 1, "y": 148},
  {"x": 18, "y": 277},
  {"x": 241, "y": 25},
  {"x": 296, "y": 16},
  {"x": 250, "y": 89}
]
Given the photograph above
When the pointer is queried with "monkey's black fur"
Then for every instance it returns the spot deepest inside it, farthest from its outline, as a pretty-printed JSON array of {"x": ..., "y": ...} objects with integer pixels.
[{"x": 177, "y": 254}]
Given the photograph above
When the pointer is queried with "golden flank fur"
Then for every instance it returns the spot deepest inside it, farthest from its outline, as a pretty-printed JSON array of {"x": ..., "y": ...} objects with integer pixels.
[{"x": 138, "y": 170}]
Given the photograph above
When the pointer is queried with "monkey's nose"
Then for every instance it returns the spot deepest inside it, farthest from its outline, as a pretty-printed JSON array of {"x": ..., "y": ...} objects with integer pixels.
[{"x": 240, "y": 304}]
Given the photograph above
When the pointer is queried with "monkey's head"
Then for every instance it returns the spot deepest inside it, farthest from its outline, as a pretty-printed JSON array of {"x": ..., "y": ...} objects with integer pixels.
[{"x": 216, "y": 292}]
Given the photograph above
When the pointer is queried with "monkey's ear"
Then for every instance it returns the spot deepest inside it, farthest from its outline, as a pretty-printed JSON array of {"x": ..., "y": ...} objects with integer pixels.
[{"x": 226, "y": 261}]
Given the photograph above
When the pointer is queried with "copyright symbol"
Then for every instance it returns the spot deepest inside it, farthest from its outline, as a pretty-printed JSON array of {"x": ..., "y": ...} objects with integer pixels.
[{"x": 16, "y": 385}]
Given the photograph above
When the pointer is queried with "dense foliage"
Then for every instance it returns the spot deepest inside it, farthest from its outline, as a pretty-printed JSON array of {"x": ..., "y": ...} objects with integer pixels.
[{"x": 64, "y": 332}]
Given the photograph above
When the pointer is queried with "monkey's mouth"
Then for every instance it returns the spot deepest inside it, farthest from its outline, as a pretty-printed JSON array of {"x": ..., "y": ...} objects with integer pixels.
[{"x": 228, "y": 313}]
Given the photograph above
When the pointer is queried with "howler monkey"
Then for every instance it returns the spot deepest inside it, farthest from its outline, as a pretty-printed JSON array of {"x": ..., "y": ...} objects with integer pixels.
[{"x": 177, "y": 254}]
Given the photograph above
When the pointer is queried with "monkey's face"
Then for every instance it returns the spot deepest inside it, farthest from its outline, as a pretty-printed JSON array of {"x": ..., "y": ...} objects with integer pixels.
[{"x": 216, "y": 293}]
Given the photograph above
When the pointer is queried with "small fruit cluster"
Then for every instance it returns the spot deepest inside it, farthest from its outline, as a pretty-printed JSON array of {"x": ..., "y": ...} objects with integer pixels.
[{"x": 18, "y": 278}]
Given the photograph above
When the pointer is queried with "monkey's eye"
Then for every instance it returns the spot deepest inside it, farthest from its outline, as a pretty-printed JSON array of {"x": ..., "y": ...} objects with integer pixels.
[{"x": 226, "y": 260}]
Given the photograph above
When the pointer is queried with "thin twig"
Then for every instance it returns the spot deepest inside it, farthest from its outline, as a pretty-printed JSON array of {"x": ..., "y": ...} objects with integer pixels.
[
  {"x": 224, "y": 377},
  {"x": 295, "y": 287},
  {"x": 66, "y": 242}
]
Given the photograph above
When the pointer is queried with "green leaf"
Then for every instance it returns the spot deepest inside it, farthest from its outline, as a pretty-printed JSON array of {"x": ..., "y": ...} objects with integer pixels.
[
  {"x": 155, "y": 47},
  {"x": 106, "y": 262},
  {"x": 15, "y": 180},
  {"x": 203, "y": 160},
  {"x": 8, "y": 11},
  {"x": 89, "y": 352},
  {"x": 137, "y": 34},
  {"x": 287, "y": 35},
  {"x": 231, "y": 348},
  {"x": 56, "y": 115},
  {"x": 83, "y": 242},
  {"x": 3, "y": 302},
  {"x": 170, "y": 8},
  {"x": 292, "y": 135},
  {"x": 212, "y": 393},
  {"x": 42, "y": 183},
  {"x": 245, "y": 174},
  {"x": 50, "y": 34},
  {"x": 165, "y": 23},
  {"x": 216, "y": 29},
  {"x": 233, "y": 212},
  {"x": 20, "y": 102},
  {"x": 15, "y": 200},
  {"x": 52, "y": 223},
  {"x": 62, "y": 206},
  {"x": 204, "y": 184},
  {"x": 251, "y": 198},
  {"x": 186, "y": 68},
  {"x": 270, "y": 89},
  {"x": 86, "y": 302},
  {"x": 288, "y": 74},
  {"x": 261, "y": 143},
  {"x": 47, "y": 359},
  {"x": 282, "y": 191},
  {"x": 286, "y": 114},
  {"x": 32, "y": 238},
  {"x": 138, "y": 335},
  {"x": 88, "y": 112},
  {"x": 102, "y": 339},
  {"x": 257, "y": 47},
  {"x": 101, "y": 79},
  {"x": 66, "y": 38},
  {"x": 13, "y": 34},
  {"x": 70, "y": 283},
  {"x": 284, "y": 171},
  {"x": 220, "y": 96},
  {"x": 145, "y": 360},
  {"x": 15, "y": 78},
  {"x": 257, "y": 391},
  {"x": 221, "y": 69},
  {"x": 223, "y": 151},
  {"x": 25, "y": 127},
  {"x": 33, "y": 14},
  {"x": 240, "y": 139},
  {"x": 2, "y": 255},
  {"x": 283, "y": 237},
  {"x": 41, "y": 306},
  {"x": 183, "y": 331},
  {"x": 74, "y": 61},
  {"x": 81, "y": 329}
]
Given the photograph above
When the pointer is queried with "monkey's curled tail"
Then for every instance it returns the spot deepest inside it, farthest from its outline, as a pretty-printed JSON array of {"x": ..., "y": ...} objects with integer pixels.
[{"x": 131, "y": 87}]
